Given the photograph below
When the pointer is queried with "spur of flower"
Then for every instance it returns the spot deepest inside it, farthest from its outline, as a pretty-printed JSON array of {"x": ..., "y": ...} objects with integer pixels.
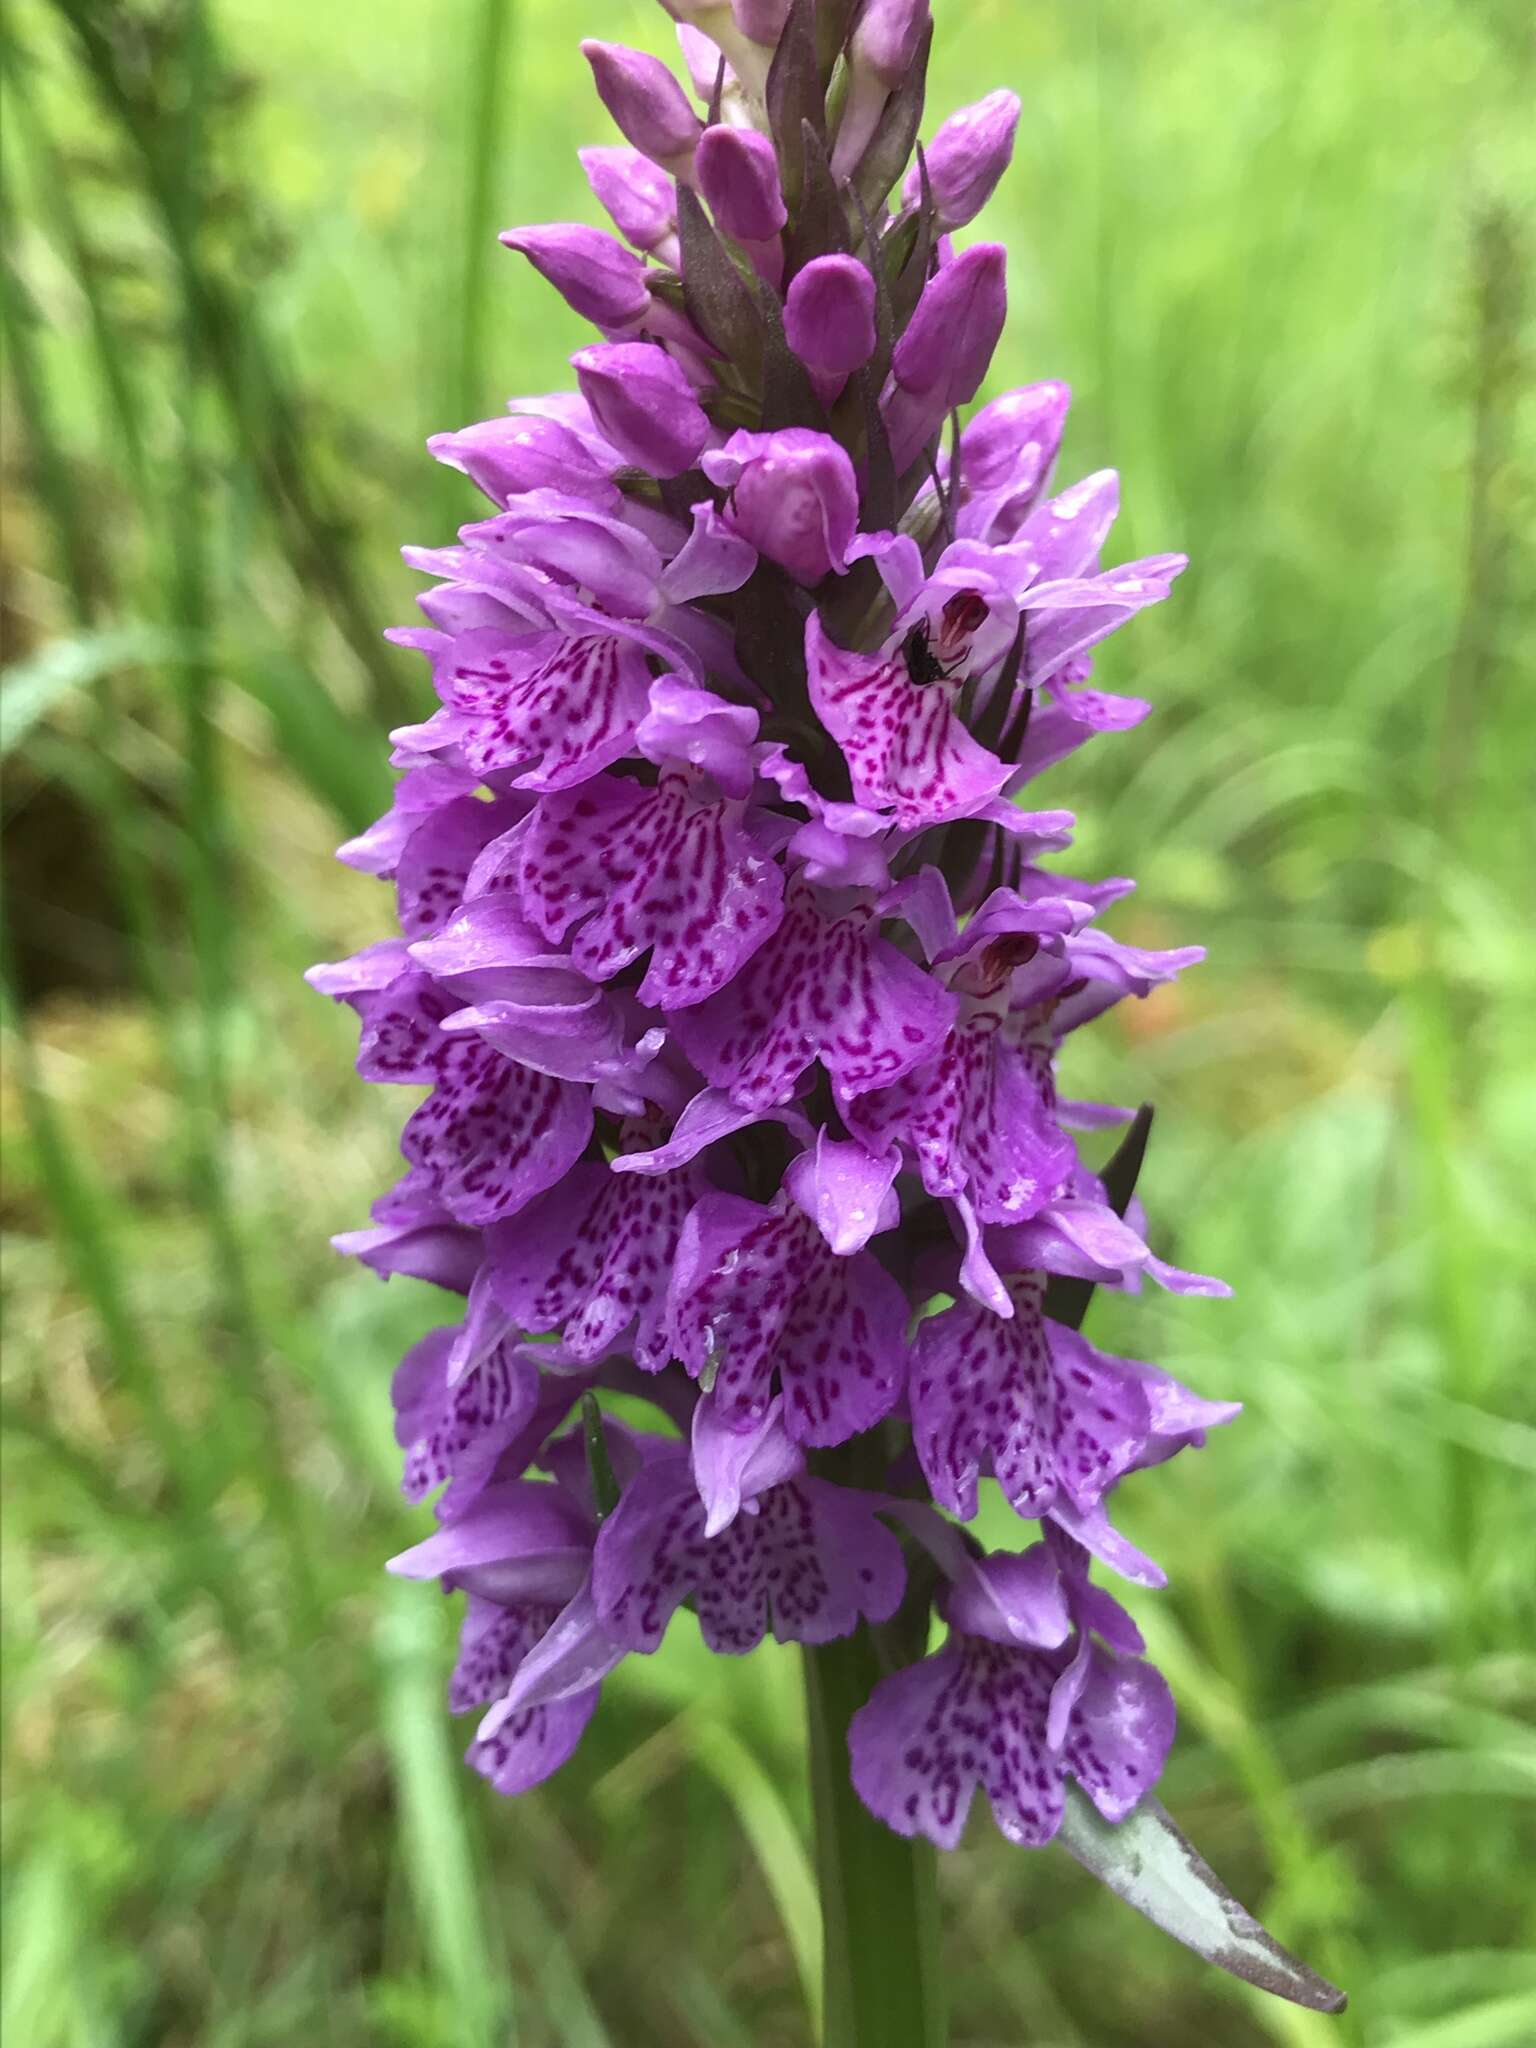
[{"x": 734, "y": 966}]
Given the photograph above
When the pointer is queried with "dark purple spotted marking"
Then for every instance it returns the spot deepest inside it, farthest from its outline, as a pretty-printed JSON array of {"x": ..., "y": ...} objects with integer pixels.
[
  {"x": 808, "y": 1563},
  {"x": 976, "y": 1713},
  {"x": 555, "y": 707},
  {"x": 492, "y": 1644},
  {"x": 435, "y": 861},
  {"x": 591, "y": 1259},
  {"x": 493, "y": 1134},
  {"x": 1025, "y": 1399},
  {"x": 777, "y": 1305},
  {"x": 457, "y": 1433},
  {"x": 665, "y": 871},
  {"x": 825, "y": 988},
  {"x": 980, "y": 1118},
  {"x": 906, "y": 747}
]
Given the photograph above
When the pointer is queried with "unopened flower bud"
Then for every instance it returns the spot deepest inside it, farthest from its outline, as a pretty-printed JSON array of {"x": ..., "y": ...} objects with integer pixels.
[
  {"x": 1023, "y": 425},
  {"x": 702, "y": 55},
  {"x": 596, "y": 276},
  {"x": 950, "y": 338},
  {"x": 708, "y": 31},
  {"x": 738, "y": 174},
  {"x": 793, "y": 494},
  {"x": 829, "y": 315},
  {"x": 643, "y": 403},
  {"x": 880, "y": 54},
  {"x": 648, "y": 105},
  {"x": 886, "y": 39},
  {"x": 638, "y": 195},
  {"x": 966, "y": 158},
  {"x": 762, "y": 20},
  {"x": 1007, "y": 452},
  {"x": 943, "y": 356}
]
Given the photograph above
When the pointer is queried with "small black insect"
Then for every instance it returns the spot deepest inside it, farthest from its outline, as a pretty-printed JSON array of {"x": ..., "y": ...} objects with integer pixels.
[{"x": 923, "y": 665}]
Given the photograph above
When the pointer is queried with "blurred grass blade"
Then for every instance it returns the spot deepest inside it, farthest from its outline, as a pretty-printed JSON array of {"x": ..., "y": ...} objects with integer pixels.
[
  {"x": 51, "y": 188},
  {"x": 335, "y": 755},
  {"x": 226, "y": 329},
  {"x": 438, "y": 1858},
  {"x": 1495, "y": 2023},
  {"x": 31, "y": 689},
  {"x": 490, "y": 98},
  {"x": 43, "y": 1933},
  {"x": 546, "y": 1959},
  {"x": 1148, "y": 1863},
  {"x": 776, "y": 1843},
  {"x": 89, "y": 1246}
]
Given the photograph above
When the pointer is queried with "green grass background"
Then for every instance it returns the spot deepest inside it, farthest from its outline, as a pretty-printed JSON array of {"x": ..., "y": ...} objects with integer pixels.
[{"x": 1283, "y": 251}]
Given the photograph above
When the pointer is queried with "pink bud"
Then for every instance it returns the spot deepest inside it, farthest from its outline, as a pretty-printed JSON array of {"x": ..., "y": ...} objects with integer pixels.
[
  {"x": 648, "y": 105},
  {"x": 967, "y": 157},
  {"x": 793, "y": 495},
  {"x": 886, "y": 39},
  {"x": 738, "y": 174},
  {"x": 638, "y": 195},
  {"x": 829, "y": 315},
  {"x": 943, "y": 356},
  {"x": 642, "y": 402},
  {"x": 761, "y": 20},
  {"x": 1007, "y": 452},
  {"x": 950, "y": 338},
  {"x": 708, "y": 31},
  {"x": 596, "y": 276},
  {"x": 880, "y": 55},
  {"x": 702, "y": 57}
]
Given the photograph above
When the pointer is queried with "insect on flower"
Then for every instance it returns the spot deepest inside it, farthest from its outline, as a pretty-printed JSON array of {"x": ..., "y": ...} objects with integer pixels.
[{"x": 923, "y": 665}]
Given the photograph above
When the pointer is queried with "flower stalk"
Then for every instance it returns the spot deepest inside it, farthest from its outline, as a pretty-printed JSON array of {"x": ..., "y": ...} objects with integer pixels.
[{"x": 881, "y": 1975}]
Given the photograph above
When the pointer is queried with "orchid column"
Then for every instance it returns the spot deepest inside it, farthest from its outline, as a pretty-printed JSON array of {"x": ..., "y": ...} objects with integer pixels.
[{"x": 732, "y": 965}]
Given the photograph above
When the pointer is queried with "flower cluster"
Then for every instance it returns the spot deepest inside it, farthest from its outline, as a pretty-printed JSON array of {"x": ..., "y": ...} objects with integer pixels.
[{"x": 731, "y": 968}]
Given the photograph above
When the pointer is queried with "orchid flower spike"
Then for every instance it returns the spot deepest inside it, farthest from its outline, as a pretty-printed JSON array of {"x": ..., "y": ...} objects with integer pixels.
[{"x": 733, "y": 964}]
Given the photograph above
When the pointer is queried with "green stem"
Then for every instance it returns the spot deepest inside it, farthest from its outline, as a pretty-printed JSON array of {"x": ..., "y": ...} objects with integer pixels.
[{"x": 878, "y": 1903}]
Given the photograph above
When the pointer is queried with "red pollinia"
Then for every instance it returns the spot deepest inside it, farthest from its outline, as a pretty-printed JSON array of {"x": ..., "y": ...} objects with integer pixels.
[{"x": 732, "y": 966}]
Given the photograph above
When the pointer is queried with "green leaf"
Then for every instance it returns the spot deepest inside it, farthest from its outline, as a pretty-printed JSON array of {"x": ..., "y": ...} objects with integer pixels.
[
  {"x": 605, "y": 1486},
  {"x": 820, "y": 223},
  {"x": 329, "y": 750},
  {"x": 1148, "y": 1863}
]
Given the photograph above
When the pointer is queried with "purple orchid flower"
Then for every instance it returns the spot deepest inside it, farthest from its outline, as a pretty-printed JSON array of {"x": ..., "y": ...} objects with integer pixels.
[
  {"x": 737, "y": 974},
  {"x": 1015, "y": 1704}
]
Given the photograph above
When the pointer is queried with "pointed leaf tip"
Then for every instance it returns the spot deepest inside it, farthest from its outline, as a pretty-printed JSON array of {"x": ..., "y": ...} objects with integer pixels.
[
  {"x": 1124, "y": 1170},
  {"x": 1146, "y": 1861},
  {"x": 600, "y": 1473},
  {"x": 1066, "y": 1301}
]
